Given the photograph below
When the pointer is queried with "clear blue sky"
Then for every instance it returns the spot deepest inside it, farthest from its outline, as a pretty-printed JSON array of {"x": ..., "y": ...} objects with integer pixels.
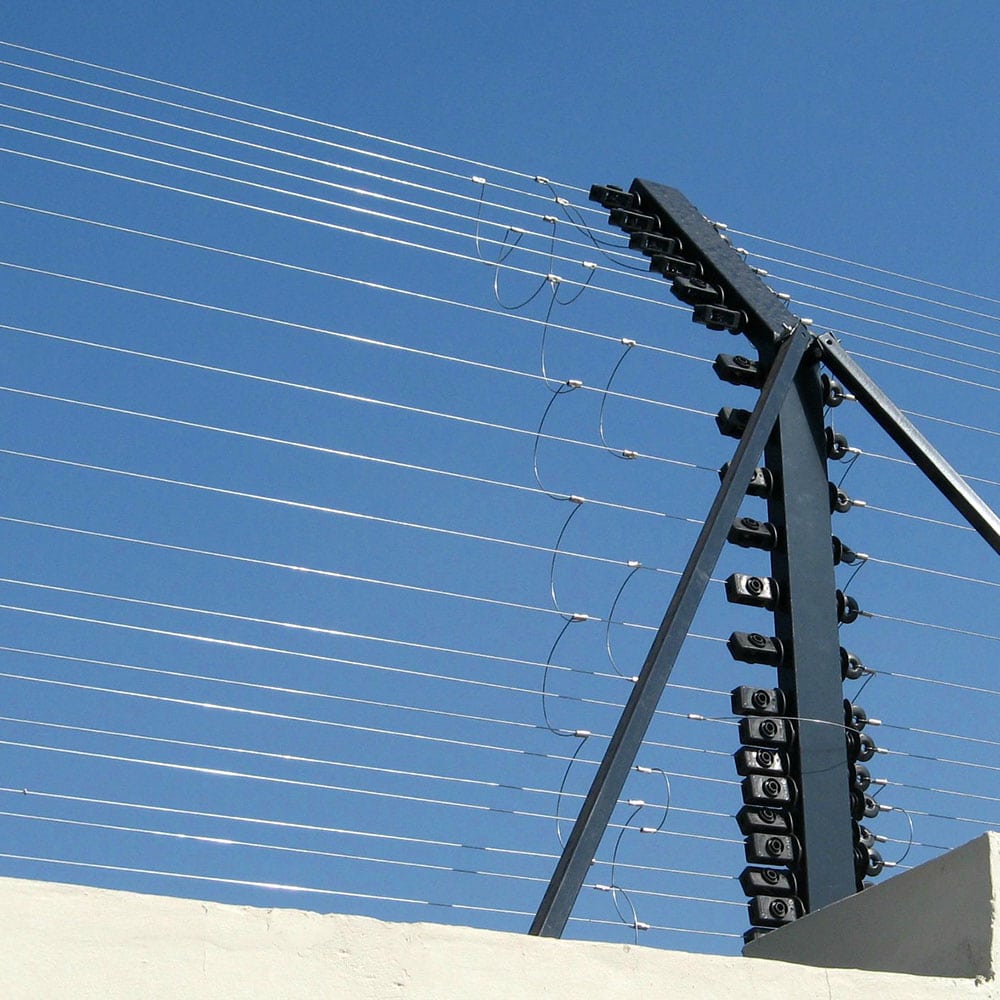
[{"x": 864, "y": 131}]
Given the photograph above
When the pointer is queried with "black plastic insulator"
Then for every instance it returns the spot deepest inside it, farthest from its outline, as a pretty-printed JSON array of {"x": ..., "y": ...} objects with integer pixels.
[
  {"x": 717, "y": 318},
  {"x": 842, "y": 554},
  {"x": 747, "y": 700},
  {"x": 676, "y": 268},
  {"x": 862, "y": 777},
  {"x": 761, "y": 482},
  {"x": 763, "y": 819},
  {"x": 840, "y": 501},
  {"x": 630, "y": 221},
  {"x": 753, "y": 591},
  {"x": 774, "y": 911},
  {"x": 833, "y": 391},
  {"x": 848, "y": 608},
  {"x": 864, "y": 836},
  {"x": 652, "y": 244},
  {"x": 851, "y": 668},
  {"x": 855, "y": 717},
  {"x": 693, "y": 291},
  {"x": 731, "y": 421},
  {"x": 836, "y": 445},
  {"x": 875, "y": 864},
  {"x": 871, "y": 808},
  {"x": 767, "y": 790},
  {"x": 739, "y": 370},
  {"x": 771, "y": 848},
  {"x": 860, "y": 746},
  {"x": 753, "y": 647},
  {"x": 764, "y": 731},
  {"x": 857, "y": 805},
  {"x": 755, "y": 933},
  {"x": 760, "y": 760},
  {"x": 612, "y": 196},
  {"x": 768, "y": 881},
  {"x": 749, "y": 533}
]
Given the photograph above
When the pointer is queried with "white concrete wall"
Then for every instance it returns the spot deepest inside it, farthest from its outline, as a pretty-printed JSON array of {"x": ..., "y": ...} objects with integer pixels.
[{"x": 61, "y": 941}]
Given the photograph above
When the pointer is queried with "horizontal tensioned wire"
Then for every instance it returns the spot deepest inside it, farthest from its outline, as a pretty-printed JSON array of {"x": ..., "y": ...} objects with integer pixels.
[
  {"x": 315, "y": 508},
  {"x": 340, "y": 893},
  {"x": 376, "y": 835},
  {"x": 495, "y": 265},
  {"x": 311, "y": 785},
  {"x": 891, "y": 326},
  {"x": 399, "y": 144},
  {"x": 277, "y": 689},
  {"x": 365, "y": 400},
  {"x": 323, "y": 658},
  {"x": 559, "y": 794},
  {"x": 271, "y": 129},
  {"x": 580, "y": 285},
  {"x": 478, "y": 219}
]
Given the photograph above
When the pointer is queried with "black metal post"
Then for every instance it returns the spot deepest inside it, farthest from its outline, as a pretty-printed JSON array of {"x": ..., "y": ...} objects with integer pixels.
[{"x": 805, "y": 621}]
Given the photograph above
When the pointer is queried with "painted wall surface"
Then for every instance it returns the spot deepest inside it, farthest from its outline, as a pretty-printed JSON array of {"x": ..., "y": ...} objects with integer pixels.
[
  {"x": 64, "y": 941},
  {"x": 938, "y": 919}
]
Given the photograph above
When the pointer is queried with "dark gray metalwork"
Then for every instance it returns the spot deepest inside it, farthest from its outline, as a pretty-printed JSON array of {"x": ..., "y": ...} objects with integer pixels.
[
  {"x": 805, "y": 621},
  {"x": 619, "y": 757},
  {"x": 891, "y": 419}
]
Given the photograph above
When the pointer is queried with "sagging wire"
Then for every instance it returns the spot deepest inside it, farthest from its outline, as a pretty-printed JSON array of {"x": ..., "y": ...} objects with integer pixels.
[
  {"x": 577, "y": 503},
  {"x": 481, "y": 181},
  {"x": 584, "y": 736},
  {"x": 634, "y": 567},
  {"x": 626, "y": 454},
  {"x": 565, "y": 387},
  {"x": 571, "y": 619},
  {"x": 614, "y": 889},
  {"x": 580, "y": 225}
]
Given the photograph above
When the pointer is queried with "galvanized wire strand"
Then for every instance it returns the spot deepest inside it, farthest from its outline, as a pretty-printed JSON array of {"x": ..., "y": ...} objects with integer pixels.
[
  {"x": 226, "y": 773},
  {"x": 291, "y": 504},
  {"x": 938, "y": 320},
  {"x": 325, "y": 224},
  {"x": 904, "y": 349},
  {"x": 339, "y": 831},
  {"x": 951, "y": 307},
  {"x": 307, "y": 570},
  {"x": 410, "y": 146},
  {"x": 256, "y": 845},
  {"x": 342, "y": 453},
  {"x": 271, "y": 111},
  {"x": 298, "y": 691},
  {"x": 286, "y": 757},
  {"x": 358, "y": 282},
  {"x": 335, "y": 227},
  {"x": 879, "y": 616},
  {"x": 353, "y": 397},
  {"x": 867, "y": 267},
  {"x": 251, "y": 619},
  {"x": 217, "y": 772},
  {"x": 316, "y": 657},
  {"x": 549, "y": 254},
  {"x": 476, "y": 218}
]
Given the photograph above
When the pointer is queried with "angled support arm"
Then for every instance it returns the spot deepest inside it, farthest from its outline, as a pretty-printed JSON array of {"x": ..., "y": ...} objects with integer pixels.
[
  {"x": 583, "y": 842},
  {"x": 920, "y": 451}
]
